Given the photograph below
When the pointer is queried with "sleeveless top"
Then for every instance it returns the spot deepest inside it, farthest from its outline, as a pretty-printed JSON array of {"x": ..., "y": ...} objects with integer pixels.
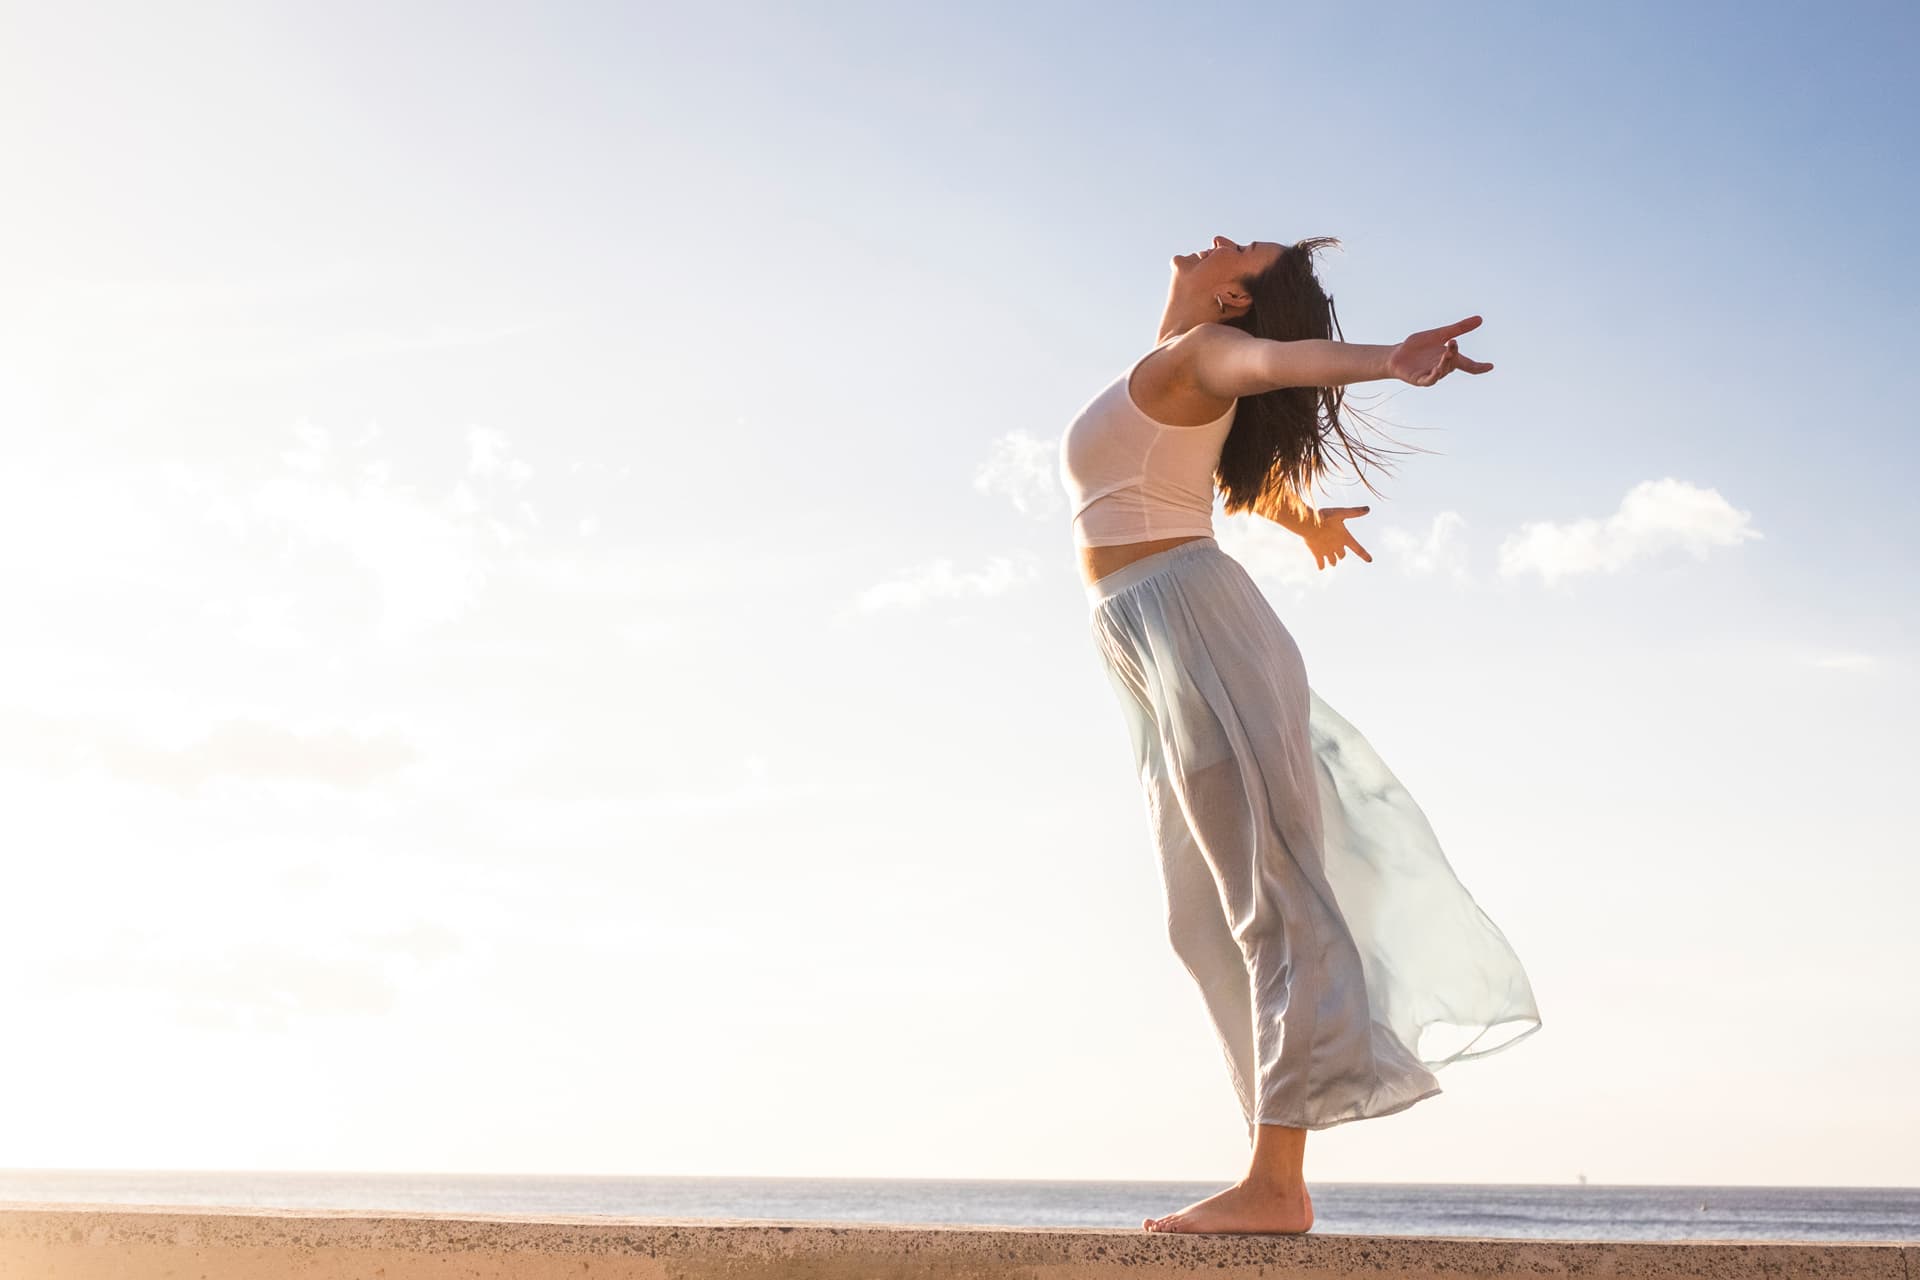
[{"x": 1132, "y": 479}]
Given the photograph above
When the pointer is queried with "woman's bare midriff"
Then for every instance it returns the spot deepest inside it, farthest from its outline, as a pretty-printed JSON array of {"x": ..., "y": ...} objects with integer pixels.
[{"x": 1098, "y": 562}]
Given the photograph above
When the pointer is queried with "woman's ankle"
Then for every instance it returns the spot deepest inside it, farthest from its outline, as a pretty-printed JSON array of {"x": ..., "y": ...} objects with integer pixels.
[{"x": 1267, "y": 1183}]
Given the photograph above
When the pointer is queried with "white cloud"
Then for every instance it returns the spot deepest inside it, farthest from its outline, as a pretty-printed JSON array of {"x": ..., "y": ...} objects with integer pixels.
[
  {"x": 1024, "y": 469},
  {"x": 1440, "y": 550},
  {"x": 1656, "y": 516},
  {"x": 939, "y": 580},
  {"x": 423, "y": 556},
  {"x": 489, "y": 455},
  {"x": 428, "y": 557}
]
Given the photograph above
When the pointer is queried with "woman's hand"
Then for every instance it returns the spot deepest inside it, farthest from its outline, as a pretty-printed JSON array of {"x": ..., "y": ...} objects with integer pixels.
[
  {"x": 1427, "y": 357},
  {"x": 1330, "y": 539}
]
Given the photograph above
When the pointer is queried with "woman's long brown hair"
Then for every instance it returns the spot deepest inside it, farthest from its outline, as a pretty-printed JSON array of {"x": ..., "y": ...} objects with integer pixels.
[{"x": 1281, "y": 441}]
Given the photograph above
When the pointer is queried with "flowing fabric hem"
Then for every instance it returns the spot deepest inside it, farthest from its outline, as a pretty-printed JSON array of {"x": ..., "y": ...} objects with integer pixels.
[{"x": 1469, "y": 1054}]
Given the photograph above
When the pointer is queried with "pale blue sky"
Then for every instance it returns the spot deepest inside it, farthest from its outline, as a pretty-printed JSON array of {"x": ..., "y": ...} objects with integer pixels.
[{"x": 546, "y": 636}]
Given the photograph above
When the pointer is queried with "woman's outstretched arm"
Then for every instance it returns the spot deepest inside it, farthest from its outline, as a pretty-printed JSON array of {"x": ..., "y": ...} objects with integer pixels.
[{"x": 1229, "y": 362}]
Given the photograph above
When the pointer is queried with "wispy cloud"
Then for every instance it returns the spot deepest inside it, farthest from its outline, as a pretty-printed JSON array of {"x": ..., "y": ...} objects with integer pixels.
[
  {"x": 251, "y": 749},
  {"x": 1656, "y": 516},
  {"x": 232, "y": 748},
  {"x": 197, "y": 326},
  {"x": 360, "y": 344},
  {"x": 940, "y": 580},
  {"x": 180, "y": 297},
  {"x": 753, "y": 788},
  {"x": 1845, "y": 661},
  {"x": 335, "y": 549},
  {"x": 1024, "y": 469},
  {"x": 286, "y": 964}
]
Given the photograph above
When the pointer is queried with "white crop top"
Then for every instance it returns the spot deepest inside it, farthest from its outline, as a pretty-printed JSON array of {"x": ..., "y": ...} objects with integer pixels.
[{"x": 1132, "y": 479}]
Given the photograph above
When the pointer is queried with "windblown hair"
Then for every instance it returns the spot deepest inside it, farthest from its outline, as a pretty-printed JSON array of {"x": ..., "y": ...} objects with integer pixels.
[{"x": 1281, "y": 441}]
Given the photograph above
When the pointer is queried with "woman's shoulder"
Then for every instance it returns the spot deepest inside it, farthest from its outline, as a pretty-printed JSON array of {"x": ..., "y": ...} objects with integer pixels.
[
  {"x": 1165, "y": 385},
  {"x": 1205, "y": 331},
  {"x": 1192, "y": 345},
  {"x": 1215, "y": 331},
  {"x": 1180, "y": 349},
  {"x": 1176, "y": 359},
  {"x": 1213, "y": 359}
]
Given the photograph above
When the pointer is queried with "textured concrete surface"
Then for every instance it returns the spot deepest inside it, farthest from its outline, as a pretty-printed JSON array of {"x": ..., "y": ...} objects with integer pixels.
[{"x": 96, "y": 1242}]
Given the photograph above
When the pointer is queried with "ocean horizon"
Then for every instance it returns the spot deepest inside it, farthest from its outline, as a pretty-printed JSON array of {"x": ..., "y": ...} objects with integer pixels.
[{"x": 1571, "y": 1211}]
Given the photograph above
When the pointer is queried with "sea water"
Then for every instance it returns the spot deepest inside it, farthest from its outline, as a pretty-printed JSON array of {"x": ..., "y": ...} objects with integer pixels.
[{"x": 1534, "y": 1211}]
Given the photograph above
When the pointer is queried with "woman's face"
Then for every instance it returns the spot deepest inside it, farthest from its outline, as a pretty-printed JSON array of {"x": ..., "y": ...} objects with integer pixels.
[{"x": 1224, "y": 264}]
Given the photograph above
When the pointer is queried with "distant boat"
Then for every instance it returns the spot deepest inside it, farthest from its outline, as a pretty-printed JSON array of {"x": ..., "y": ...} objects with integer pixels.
[{"x": 1583, "y": 1179}]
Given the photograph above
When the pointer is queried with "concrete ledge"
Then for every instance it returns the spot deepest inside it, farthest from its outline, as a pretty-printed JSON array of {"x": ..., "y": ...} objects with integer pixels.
[{"x": 127, "y": 1242}]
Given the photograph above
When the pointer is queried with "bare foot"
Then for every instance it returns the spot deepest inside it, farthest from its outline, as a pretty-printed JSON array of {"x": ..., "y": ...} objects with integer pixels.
[{"x": 1243, "y": 1207}]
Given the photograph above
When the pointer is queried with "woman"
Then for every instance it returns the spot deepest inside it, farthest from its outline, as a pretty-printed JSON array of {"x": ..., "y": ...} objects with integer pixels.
[{"x": 1339, "y": 958}]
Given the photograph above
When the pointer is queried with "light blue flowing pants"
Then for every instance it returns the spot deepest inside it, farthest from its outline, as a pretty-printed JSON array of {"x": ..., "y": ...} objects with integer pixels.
[{"x": 1340, "y": 959}]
